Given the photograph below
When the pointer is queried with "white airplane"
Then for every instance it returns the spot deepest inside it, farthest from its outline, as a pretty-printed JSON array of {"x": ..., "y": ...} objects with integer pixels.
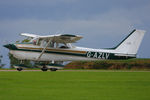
[{"x": 58, "y": 48}]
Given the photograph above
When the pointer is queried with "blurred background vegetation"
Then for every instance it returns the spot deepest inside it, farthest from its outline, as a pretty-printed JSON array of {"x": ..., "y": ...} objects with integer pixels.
[
  {"x": 110, "y": 64},
  {"x": 1, "y": 64}
]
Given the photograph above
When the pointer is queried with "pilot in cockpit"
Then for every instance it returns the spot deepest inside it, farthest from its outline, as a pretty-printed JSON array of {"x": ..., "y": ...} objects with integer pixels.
[{"x": 34, "y": 42}]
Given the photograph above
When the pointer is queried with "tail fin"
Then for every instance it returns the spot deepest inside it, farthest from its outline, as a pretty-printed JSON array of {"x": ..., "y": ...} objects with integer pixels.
[{"x": 131, "y": 43}]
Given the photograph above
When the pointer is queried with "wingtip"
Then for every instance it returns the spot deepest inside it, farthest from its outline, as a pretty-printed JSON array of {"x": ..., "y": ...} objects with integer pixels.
[{"x": 142, "y": 31}]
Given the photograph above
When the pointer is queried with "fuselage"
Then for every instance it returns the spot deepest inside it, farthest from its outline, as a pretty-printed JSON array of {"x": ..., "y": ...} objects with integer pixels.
[{"x": 29, "y": 51}]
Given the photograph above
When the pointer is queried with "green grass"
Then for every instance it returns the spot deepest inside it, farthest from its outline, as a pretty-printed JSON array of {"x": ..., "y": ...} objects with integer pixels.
[{"x": 75, "y": 85}]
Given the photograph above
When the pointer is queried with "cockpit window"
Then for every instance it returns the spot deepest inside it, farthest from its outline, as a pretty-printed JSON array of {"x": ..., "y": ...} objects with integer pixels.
[
  {"x": 52, "y": 44},
  {"x": 61, "y": 45}
]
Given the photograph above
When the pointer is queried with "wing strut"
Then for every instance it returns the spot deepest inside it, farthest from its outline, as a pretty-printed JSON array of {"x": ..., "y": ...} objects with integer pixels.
[{"x": 43, "y": 50}]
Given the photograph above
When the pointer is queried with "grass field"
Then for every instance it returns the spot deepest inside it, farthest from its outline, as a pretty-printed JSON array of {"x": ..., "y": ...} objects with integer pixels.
[{"x": 74, "y": 85}]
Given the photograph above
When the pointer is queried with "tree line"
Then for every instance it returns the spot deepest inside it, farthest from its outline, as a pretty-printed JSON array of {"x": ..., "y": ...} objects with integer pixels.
[
  {"x": 110, "y": 64},
  {"x": 1, "y": 64}
]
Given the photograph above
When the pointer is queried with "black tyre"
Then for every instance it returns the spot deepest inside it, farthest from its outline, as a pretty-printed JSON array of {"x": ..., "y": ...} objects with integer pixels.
[
  {"x": 44, "y": 69},
  {"x": 53, "y": 69},
  {"x": 19, "y": 69}
]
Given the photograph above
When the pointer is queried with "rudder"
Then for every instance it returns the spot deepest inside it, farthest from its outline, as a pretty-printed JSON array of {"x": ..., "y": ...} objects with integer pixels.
[{"x": 131, "y": 43}]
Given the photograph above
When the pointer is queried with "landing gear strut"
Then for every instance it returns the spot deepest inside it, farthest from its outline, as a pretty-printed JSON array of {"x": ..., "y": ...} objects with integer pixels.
[
  {"x": 19, "y": 66},
  {"x": 44, "y": 68}
]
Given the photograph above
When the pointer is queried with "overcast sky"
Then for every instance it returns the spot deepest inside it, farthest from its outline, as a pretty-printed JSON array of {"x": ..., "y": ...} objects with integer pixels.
[{"x": 102, "y": 23}]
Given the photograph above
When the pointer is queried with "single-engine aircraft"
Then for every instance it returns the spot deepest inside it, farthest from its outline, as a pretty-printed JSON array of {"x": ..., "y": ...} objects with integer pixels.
[{"x": 54, "y": 49}]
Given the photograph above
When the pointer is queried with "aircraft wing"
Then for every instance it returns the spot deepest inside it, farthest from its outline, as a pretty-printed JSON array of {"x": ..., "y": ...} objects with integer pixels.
[
  {"x": 29, "y": 35},
  {"x": 59, "y": 38},
  {"x": 62, "y": 38}
]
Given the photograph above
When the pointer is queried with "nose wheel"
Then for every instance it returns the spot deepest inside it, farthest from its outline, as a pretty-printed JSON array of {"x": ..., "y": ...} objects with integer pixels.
[{"x": 20, "y": 66}]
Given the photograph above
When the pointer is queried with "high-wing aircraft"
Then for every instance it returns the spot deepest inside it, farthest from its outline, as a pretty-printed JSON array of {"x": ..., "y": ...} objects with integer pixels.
[{"x": 54, "y": 49}]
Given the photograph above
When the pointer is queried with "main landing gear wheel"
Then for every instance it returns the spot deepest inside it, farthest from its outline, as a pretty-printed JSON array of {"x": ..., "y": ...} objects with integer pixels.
[
  {"x": 44, "y": 68},
  {"x": 53, "y": 69},
  {"x": 19, "y": 69}
]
